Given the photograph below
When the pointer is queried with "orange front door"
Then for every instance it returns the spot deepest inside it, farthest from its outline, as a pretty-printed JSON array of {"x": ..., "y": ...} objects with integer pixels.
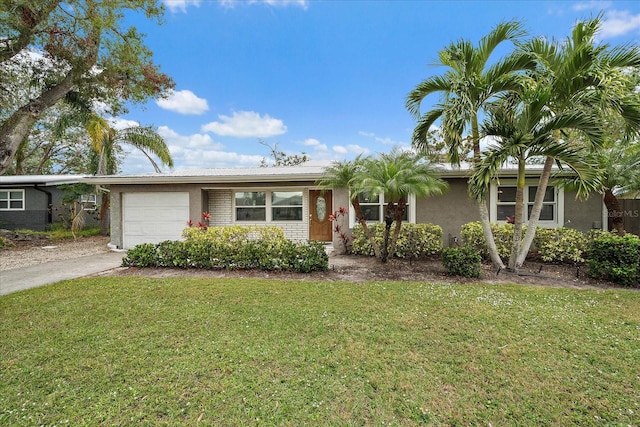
[{"x": 320, "y": 207}]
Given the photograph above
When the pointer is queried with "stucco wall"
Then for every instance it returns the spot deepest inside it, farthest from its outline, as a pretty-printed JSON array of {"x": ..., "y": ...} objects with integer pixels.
[
  {"x": 449, "y": 210},
  {"x": 583, "y": 215}
]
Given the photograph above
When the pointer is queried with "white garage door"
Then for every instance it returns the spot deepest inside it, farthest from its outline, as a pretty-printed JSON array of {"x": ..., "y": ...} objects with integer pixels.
[{"x": 153, "y": 217}]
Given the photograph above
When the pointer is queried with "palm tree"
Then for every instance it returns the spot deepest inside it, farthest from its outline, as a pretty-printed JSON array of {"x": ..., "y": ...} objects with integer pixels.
[
  {"x": 619, "y": 161},
  {"x": 396, "y": 175},
  {"x": 467, "y": 88},
  {"x": 621, "y": 167},
  {"x": 106, "y": 141},
  {"x": 582, "y": 76},
  {"x": 523, "y": 127},
  {"x": 344, "y": 174}
]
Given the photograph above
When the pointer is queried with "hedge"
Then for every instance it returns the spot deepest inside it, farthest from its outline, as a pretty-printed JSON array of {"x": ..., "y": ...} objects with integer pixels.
[
  {"x": 415, "y": 240},
  {"x": 239, "y": 247},
  {"x": 615, "y": 258},
  {"x": 555, "y": 245}
]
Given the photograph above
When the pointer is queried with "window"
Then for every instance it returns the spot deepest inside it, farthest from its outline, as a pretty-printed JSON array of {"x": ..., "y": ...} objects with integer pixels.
[
  {"x": 286, "y": 205},
  {"x": 88, "y": 202},
  {"x": 251, "y": 206},
  {"x": 373, "y": 208},
  {"x": 261, "y": 206},
  {"x": 11, "y": 200},
  {"x": 505, "y": 203}
]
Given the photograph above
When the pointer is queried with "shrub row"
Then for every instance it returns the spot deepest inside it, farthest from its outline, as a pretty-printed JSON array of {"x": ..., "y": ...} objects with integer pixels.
[
  {"x": 414, "y": 241},
  {"x": 236, "y": 248},
  {"x": 615, "y": 258},
  {"x": 555, "y": 245}
]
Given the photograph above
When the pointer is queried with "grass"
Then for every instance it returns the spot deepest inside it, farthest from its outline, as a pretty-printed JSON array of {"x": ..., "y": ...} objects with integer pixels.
[
  {"x": 122, "y": 351},
  {"x": 58, "y": 233}
]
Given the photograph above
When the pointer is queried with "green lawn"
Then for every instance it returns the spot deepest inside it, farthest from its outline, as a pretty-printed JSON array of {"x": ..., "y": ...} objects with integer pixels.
[{"x": 139, "y": 351}]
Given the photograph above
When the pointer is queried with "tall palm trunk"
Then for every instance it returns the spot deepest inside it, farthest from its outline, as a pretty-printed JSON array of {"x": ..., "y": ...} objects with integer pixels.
[
  {"x": 363, "y": 223},
  {"x": 401, "y": 207},
  {"x": 535, "y": 213},
  {"x": 482, "y": 205},
  {"x": 519, "y": 216},
  {"x": 104, "y": 214},
  {"x": 614, "y": 211},
  {"x": 389, "y": 215}
]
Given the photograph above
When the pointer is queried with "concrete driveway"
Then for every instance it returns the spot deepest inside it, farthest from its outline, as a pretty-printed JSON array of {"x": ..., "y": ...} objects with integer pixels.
[{"x": 33, "y": 276}]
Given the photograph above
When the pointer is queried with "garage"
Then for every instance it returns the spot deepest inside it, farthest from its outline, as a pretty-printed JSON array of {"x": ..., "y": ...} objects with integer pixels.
[{"x": 153, "y": 217}]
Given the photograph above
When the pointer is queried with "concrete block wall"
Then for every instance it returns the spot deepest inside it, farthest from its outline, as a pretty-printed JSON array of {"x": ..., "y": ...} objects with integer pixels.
[
  {"x": 220, "y": 207},
  {"x": 221, "y": 210}
]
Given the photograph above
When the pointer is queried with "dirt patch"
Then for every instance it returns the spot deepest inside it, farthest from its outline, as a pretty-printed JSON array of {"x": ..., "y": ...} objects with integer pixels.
[{"x": 24, "y": 252}]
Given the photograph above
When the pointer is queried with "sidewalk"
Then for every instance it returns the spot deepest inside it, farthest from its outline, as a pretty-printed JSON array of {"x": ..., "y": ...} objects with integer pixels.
[{"x": 33, "y": 276}]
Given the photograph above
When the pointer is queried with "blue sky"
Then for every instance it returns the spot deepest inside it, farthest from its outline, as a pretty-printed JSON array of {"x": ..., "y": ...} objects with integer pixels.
[{"x": 325, "y": 77}]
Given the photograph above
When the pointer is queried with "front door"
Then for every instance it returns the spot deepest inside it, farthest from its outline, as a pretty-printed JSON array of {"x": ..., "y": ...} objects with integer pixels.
[{"x": 320, "y": 208}]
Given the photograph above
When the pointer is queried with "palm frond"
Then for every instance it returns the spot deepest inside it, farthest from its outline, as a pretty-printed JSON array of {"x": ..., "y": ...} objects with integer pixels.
[
  {"x": 342, "y": 174},
  {"x": 427, "y": 87},
  {"x": 419, "y": 139},
  {"x": 502, "y": 32},
  {"x": 147, "y": 140}
]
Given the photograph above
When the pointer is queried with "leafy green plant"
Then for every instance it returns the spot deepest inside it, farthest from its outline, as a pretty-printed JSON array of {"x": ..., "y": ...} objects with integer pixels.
[
  {"x": 615, "y": 258},
  {"x": 143, "y": 255},
  {"x": 414, "y": 241},
  {"x": 553, "y": 244},
  {"x": 58, "y": 232},
  {"x": 560, "y": 244},
  {"x": 473, "y": 236},
  {"x": 339, "y": 220},
  {"x": 462, "y": 261},
  {"x": 233, "y": 248},
  {"x": 5, "y": 243}
]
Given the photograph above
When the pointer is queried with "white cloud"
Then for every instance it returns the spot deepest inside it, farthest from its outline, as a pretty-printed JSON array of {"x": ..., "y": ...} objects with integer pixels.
[
  {"x": 246, "y": 124},
  {"x": 196, "y": 151},
  {"x": 619, "y": 22},
  {"x": 183, "y": 102},
  {"x": 340, "y": 149},
  {"x": 317, "y": 145},
  {"x": 385, "y": 141},
  {"x": 350, "y": 149},
  {"x": 593, "y": 4},
  {"x": 119, "y": 124},
  {"x": 180, "y": 5},
  {"x": 277, "y": 3},
  {"x": 197, "y": 140}
]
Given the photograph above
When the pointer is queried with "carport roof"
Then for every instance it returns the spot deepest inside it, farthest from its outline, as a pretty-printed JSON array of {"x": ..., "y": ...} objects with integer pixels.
[{"x": 44, "y": 180}]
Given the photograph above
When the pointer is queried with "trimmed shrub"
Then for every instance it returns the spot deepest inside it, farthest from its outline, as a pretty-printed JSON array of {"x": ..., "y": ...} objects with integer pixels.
[
  {"x": 414, "y": 241},
  {"x": 462, "y": 261},
  {"x": 263, "y": 248},
  {"x": 553, "y": 244},
  {"x": 615, "y": 258},
  {"x": 560, "y": 244},
  {"x": 235, "y": 233},
  {"x": 143, "y": 255},
  {"x": 473, "y": 236}
]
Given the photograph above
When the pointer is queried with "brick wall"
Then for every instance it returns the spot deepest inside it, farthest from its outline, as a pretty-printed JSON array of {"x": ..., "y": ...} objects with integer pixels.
[{"x": 221, "y": 210}]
